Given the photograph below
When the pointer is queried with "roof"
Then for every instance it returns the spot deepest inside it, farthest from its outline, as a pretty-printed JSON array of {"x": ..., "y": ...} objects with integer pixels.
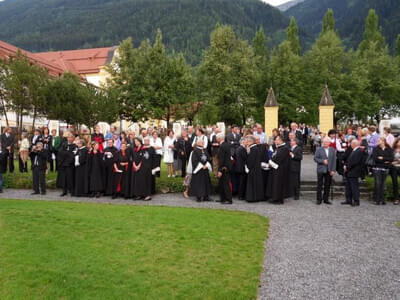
[
  {"x": 83, "y": 61},
  {"x": 7, "y": 51},
  {"x": 326, "y": 99},
  {"x": 271, "y": 100}
]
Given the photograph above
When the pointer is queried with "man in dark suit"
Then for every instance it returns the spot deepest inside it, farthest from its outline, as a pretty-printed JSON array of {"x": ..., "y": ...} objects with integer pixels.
[
  {"x": 7, "y": 144},
  {"x": 297, "y": 134},
  {"x": 39, "y": 167},
  {"x": 325, "y": 157},
  {"x": 353, "y": 170},
  {"x": 224, "y": 169},
  {"x": 66, "y": 157},
  {"x": 233, "y": 139},
  {"x": 296, "y": 155}
]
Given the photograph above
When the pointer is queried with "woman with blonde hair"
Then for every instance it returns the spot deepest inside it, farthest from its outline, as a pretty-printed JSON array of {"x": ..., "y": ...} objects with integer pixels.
[{"x": 23, "y": 152}]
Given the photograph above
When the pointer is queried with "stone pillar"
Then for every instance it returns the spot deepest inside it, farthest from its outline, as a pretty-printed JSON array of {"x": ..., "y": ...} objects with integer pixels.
[
  {"x": 326, "y": 112},
  {"x": 271, "y": 108}
]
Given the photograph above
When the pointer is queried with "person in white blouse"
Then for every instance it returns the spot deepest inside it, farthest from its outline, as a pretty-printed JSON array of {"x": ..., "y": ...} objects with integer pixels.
[
  {"x": 157, "y": 144},
  {"x": 169, "y": 152},
  {"x": 200, "y": 135},
  {"x": 24, "y": 152}
]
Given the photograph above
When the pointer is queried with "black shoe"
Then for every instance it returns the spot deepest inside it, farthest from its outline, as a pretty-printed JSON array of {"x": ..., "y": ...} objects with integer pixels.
[
  {"x": 319, "y": 202},
  {"x": 1, "y": 191},
  {"x": 43, "y": 193},
  {"x": 296, "y": 198},
  {"x": 242, "y": 199},
  {"x": 383, "y": 203},
  {"x": 355, "y": 204},
  {"x": 346, "y": 203},
  {"x": 328, "y": 202},
  {"x": 114, "y": 197},
  {"x": 91, "y": 195},
  {"x": 98, "y": 195},
  {"x": 63, "y": 194},
  {"x": 198, "y": 199},
  {"x": 376, "y": 203},
  {"x": 206, "y": 199},
  {"x": 35, "y": 193}
]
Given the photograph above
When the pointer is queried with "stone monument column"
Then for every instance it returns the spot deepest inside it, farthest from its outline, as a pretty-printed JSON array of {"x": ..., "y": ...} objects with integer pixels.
[
  {"x": 326, "y": 112},
  {"x": 271, "y": 108}
]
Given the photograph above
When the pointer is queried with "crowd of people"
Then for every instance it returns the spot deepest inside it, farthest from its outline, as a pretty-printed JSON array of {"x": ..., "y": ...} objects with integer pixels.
[{"x": 247, "y": 162}]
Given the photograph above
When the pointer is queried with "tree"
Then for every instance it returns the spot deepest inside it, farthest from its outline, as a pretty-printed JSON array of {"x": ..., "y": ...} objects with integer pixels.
[
  {"x": 292, "y": 36},
  {"x": 23, "y": 84},
  {"x": 372, "y": 33},
  {"x": 66, "y": 100},
  {"x": 228, "y": 69},
  {"x": 397, "y": 48},
  {"x": 328, "y": 23}
]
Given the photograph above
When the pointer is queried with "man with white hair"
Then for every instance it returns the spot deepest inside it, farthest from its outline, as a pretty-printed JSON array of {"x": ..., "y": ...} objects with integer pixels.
[
  {"x": 260, "y": 134},
  {"x": 297, "y": 134},
  {"x": 224, "y": 169},
  {"x": 325, "y": 157}
]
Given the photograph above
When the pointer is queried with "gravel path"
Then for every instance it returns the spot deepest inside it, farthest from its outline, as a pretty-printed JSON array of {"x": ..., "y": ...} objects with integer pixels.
[{"x": 313, "y": 252}]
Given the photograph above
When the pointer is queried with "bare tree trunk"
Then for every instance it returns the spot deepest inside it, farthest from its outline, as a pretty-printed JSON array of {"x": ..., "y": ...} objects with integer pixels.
[{"x": 4, "y": 110}]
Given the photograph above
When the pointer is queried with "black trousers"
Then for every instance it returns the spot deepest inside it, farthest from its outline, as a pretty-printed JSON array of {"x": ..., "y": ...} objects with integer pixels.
[
  {"x": 394, "y": 173},
  {"x": 224, "y": 187},
  {"x": 324, "y": 183},
  {"x": 235, "y": 182},
  {"x": 39, "y": 180},
  {"x": 242, "y": 185},
  {"x": 352, "y": 190},
  {"x": 67, "y": 182},
  {"x": 157, "y": 157},
  {"x": 295, "y": 180},
  {"x": 11, "y": 161},
  {"x": 380, "y": 185},
  {"x": 183, "y": 167}
]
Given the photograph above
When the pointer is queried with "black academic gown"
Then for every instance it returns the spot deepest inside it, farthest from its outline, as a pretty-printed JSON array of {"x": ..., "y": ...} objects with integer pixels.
[
  {"x": 66, "y": 159},
  {"x": 255, "y": 187},
  {"x": 81, "y": 173},
  {"x": 295, "y": 169},
  {"x": 96, "y": 172},
  {"x": 200, "y": 185},
  {"x": 143, "y": 176},
  {"x": 263, "y": 151},
  {"x": 278, "y": 183},
  {"x": 109, "y": 161},
  {"x": 239, "y": 167},
  {"x": 224, "y": 167},
  {"x": 122, "y": 180}
]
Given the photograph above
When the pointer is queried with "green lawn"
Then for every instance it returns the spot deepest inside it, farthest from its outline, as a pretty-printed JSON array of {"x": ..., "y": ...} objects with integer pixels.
[{"x": 58, "y": 250}]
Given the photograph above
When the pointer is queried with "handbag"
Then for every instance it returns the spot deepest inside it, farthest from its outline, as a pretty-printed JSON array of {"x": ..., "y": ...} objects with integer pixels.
[{"x": 370, "y": 161}]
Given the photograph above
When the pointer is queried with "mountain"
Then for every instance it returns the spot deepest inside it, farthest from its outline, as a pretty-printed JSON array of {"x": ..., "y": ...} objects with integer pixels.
[
  {"x": 43, "y": 25},
  {"x": 350, "y": 17},
  {"x": 287, "y": 5}
]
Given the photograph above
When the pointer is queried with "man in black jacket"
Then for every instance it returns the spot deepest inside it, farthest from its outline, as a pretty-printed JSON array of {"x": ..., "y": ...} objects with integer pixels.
[
  {"x": 39, "y": 166},
  {"x": 7, "y": 144},
  {"x": 353, "y": 171},
  {"x": 66, "y": 161},
  {"x": 296, "y": 156},
  {"x": 224, "y": 169}
]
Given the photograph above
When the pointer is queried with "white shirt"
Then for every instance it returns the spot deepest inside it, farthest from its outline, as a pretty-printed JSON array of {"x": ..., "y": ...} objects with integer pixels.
[
  {"x": 157, "y": 143},
  {"x": 327, "y": 152},
  {"x": 205, "y": 141}
]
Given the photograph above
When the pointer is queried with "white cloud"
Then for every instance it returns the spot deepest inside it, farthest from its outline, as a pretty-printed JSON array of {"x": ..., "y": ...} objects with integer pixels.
[{"x": 275, "y": 2}]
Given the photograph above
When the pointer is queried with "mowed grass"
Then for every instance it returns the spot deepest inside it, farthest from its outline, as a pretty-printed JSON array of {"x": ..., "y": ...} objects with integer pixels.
[{"x": 54, "y": 250}]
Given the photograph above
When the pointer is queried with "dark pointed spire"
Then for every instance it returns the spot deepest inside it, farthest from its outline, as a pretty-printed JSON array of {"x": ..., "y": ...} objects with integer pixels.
[
  {"x": 326, "y": 99},
  {"x": 271, "y": 100}
]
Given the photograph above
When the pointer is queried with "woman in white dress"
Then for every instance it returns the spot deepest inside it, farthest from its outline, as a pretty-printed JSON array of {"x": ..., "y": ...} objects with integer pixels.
[{"x": 169, "y": 152}]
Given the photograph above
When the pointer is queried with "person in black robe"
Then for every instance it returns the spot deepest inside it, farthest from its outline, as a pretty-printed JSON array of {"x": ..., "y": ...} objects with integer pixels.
[
  {"x": 200, "y": 185},
  {"x": 296, "y": 156},
  {"x": 143, "y": 166},
  {"x": 137, "y": 146},
  {"x": 66, "y": 160},
  {"x": 96, "y": 170},
  {"x": 3, "y": 166},
  {"x": 81, "y": 170},
  {"x": 254, "y": 187},
  {"x": 39, "y": 167},
  {"x": 121, "y": 173},
  {"x": 110, "y": 155},
  {"x": 224, "y": 169},
  {"x": 239, "y": 168},
  {"x": 264, "y": 158},
  {"x": 280, "y": 173}
]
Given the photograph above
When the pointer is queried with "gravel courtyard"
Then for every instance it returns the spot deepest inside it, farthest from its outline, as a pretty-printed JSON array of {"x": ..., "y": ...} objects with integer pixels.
[{"x": 313, "y": 252}]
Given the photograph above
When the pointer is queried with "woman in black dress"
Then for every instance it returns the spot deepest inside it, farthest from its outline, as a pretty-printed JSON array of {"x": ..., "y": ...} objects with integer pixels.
[
  {"x": 143, "y": 165},
  {"x": 121, "y": 173},
  {"x": 96, "y": 171},
  {"x": 81, "y": 170}
]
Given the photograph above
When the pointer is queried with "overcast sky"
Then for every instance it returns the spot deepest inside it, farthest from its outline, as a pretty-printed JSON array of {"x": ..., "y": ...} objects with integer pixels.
[{"x": 275, "y": 2}]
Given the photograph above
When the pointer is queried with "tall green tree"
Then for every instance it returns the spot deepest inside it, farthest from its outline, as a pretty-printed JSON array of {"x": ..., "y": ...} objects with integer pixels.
[
  {"x": 229, "y": 70},
  {"x": 292, "y": 36},
  {"x": 328, "y": 23},
  {"x": 397, "y": 48},
  {"x": 372, "y": 34}
]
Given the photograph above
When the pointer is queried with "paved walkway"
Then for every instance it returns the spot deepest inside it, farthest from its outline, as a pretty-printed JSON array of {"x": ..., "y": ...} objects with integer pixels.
[{"x": 313, "y": 252}]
